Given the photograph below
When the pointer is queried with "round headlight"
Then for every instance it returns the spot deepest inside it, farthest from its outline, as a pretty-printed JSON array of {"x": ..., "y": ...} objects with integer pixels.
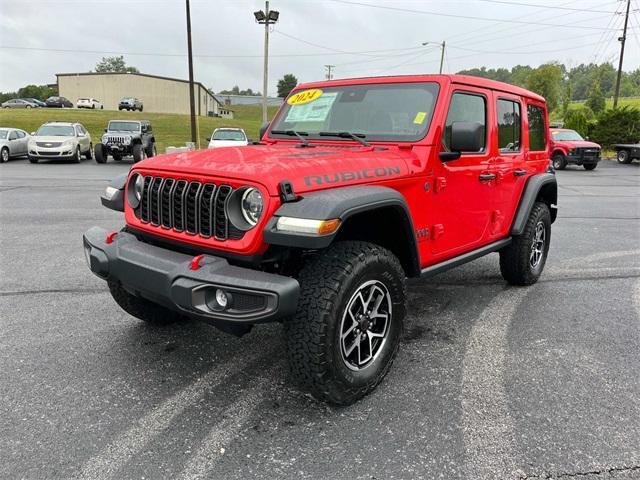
[
  {"x": 134, "y": 190},
  {"x": 251, "y": 206}
]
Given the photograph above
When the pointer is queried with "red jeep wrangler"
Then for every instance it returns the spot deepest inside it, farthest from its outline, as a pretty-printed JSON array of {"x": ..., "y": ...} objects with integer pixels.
[
  {"x": 356, "y": 186},
  {"x": 568, "y": 147}
]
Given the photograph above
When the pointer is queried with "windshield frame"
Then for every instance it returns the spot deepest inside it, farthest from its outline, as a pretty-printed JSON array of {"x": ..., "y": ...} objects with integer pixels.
[
  {"x": 138, "y": 125},
  {"x": 431, "y": 86},
  {"x": 567, "y": 131},
  {"x": 70, "y": 127}
]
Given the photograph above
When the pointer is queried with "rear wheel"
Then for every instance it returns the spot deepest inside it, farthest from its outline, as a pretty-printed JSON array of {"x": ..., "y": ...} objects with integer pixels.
[
  {"x": 141, "y": 308},
  {"x": 99, "y": 153},
  {"x": 590, "y": 166},
  {"x": 4, "y": 155},
  {"x": 89, "y": 154},
  {"x": 522, "y": 262},
  {"x": 623, "y": 156},
  {"x": 138, "y": 153},
  {"x": 151, "y": 150},
  {"x": 346, "y": 331},
  {"x": 141, "y": 107},
  {"x": 559, "y": 161}
]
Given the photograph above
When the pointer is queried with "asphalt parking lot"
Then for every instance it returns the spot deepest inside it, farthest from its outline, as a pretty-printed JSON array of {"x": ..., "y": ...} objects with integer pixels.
[{"x": 491, "y": 381}]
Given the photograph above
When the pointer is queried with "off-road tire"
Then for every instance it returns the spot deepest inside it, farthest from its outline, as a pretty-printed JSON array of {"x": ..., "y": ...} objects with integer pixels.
[
  {"x": 151, "y": 150},
  {"x": 590, "y": 166},
  {"x": 33, "y": 159},
  {"x": 141, "y": 308},
  {"x": 623, "y": 157},
  {"x": 5, "y": 155},
  {"x": 141, "y": 107},
  {"x": 559, "y": 161},
  {"x": 89, "y": 154},
  {"x": 138, "y": 153},
  {"x": 327, "y": 284},
  {"x": 99, "y": 153},
  {"x": 515, "y": 264},
  {"x": 119, "y": 109}
]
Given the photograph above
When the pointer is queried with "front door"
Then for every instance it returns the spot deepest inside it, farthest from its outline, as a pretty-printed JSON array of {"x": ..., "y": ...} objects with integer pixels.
[{"x": 462, "y": 189}]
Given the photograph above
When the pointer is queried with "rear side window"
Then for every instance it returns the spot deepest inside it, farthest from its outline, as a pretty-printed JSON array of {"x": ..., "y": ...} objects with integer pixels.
[
  {"x": 537, "y": 129},
  {"x": 465, "y": 107},
  {"x": 509, "y": 126}
]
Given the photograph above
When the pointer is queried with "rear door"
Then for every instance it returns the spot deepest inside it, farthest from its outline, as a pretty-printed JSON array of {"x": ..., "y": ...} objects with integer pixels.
[
  {"x": 509, "y": 163},
  {"x": 462, "y": 189}
]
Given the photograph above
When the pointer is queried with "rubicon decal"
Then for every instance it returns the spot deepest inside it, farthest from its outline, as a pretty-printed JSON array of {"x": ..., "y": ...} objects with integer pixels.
[{"x": 349, "y": 176}]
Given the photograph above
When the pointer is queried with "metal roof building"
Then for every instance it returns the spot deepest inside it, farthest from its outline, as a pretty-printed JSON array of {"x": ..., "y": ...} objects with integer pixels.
[{"x": 158, "y": 94}]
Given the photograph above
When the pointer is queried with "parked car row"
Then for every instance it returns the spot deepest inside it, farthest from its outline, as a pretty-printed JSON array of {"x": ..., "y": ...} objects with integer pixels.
[{"x": 127, "y": 103}]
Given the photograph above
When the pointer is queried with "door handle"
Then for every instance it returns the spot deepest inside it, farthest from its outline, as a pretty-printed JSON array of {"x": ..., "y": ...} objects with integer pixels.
[
  {"x": 519, "y": 172},
  {"x": 487, "y": 177}
]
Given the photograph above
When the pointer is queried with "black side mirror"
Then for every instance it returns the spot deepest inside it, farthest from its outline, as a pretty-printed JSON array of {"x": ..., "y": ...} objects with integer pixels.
[
  {"x": 105, "y": 130},
  {"x": 263, "y": 129},
  {"x": 208, "y": 139},
  {"x": 465, "y": 137}
]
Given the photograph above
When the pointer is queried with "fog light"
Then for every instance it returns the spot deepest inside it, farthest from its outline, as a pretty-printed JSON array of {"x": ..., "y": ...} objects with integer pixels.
[
  {"x": 221, "y": 298},
  {"x": 218, "y": 301}
]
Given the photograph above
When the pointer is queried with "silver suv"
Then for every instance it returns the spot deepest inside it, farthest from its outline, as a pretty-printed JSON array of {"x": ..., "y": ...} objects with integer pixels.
[{"x": 60, "y": 141}]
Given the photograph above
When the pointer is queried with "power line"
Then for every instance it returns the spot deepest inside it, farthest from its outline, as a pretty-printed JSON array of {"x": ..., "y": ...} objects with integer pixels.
[
  {"x": 467, "y": 17},
  {"x": 547, "y": 7}
]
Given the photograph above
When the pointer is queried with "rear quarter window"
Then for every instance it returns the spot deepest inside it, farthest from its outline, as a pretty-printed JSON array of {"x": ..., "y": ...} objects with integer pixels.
[{"x": 537, "y": 128}]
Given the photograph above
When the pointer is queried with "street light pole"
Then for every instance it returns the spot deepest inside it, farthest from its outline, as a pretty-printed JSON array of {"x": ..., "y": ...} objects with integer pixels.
[
  {"x": 266, "y": 18},
  {"x": 329, "y": 71},
  {"x": 622, "y": 40},
  {"x": 442, "y": 46},
  {"x": 192, "y": 101}
]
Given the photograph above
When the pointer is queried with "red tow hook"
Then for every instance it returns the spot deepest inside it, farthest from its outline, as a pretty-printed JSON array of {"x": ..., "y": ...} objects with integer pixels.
[
  {"x": 195, "y": 262},
  {"x": 110, "y": 237}
]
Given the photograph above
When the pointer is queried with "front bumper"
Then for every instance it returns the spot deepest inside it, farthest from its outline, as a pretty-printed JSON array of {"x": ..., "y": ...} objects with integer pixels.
[
  {"x": 165, "y": 277},
  {"x": 49, "y": 153},
  {"x": 583, "y": 159}
]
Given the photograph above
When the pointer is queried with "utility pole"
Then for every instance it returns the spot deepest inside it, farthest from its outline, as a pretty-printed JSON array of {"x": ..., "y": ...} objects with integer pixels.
[
  {"x": 442, "y": 46},
  {"x": 329, "y": 74},
  {"x": 266, "y": 18},
  {"x": 192, "y": 101},
  {"x": 622, "y": 41}
]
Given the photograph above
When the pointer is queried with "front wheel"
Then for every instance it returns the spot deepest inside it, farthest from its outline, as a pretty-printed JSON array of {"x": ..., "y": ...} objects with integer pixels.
[
  {"x": 623, "y": 156},
  {"x": 559, "y": 162},
  {"x": 33, "y": 159},
  {"x": 347, "y": 328},
  {"x": 590, "y": 166},
  {"x": 138, "y": 153},
  {"x": 99, "y": 153},
  {"x": 141, "y": 308},
  {"x": 89, "y": 154},
  {"x": 522, "y": 262},
  {"x": 78, "y": 156}
]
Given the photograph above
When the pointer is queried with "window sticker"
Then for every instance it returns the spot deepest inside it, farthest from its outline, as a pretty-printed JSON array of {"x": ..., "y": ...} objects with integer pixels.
[
  {"x": 305, "y": 96},
  {"x": 315, "y": 111},
  {"x": 420, "y": 116}
]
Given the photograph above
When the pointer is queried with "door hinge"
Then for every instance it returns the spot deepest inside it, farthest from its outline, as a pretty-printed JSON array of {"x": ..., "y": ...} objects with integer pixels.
[{"x": 439, "y": 184}]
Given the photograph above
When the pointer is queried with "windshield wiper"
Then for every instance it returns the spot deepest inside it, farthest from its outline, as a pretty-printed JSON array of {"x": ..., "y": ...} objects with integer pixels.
[
  {"x": 358, "y": 137},
  {"x": 293, "y": 133}
]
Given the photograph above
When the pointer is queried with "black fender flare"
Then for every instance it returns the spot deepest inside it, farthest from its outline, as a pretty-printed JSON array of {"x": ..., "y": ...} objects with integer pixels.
[
  {"x": 542, "y": 185},
  {"x": 116, "y": 202},
  {"x": 341, "y": 203}
]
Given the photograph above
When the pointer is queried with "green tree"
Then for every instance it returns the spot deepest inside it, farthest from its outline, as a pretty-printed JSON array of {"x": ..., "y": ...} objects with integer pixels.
[
  {"x": 596, "y": 101},
  {"x": 41, "y": 92},
  {"x": 546, "y": 80},
  {"x": 566, "y": 98},
  {"x": 114, "y": 64},
  {"x": 621, "y": 125},
  {"x": 579, "y": 118},
  {"x": 286, "y": 84}
]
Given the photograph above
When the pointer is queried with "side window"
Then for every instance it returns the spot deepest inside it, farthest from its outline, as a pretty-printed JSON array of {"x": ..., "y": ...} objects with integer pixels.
[
  {"x": 465, "y": 107},
  {"x": 509, "y": 126},
  {"x": 20, "y": 133},
  {"x": 78, "y": 130},
  {"x": 537, "y": 129},
  {"x": 13, "y": 135}
]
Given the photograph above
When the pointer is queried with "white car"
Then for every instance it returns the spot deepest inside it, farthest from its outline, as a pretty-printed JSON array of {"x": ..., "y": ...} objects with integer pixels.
[
  {"x": 13, "y": 143},
  {"x": 89, "y": 103},
  {"x": 60, "y": 141},
  {"x": 228, "y": 137}
]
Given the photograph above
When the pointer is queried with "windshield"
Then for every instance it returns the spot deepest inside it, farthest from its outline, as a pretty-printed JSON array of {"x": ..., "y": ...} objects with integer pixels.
[
  {"x": 233, "y": 135},
  {"x": 383, "y": 112},
  {"x": 55, "y": 131},
  {"x": 566, "y": 135},
  {"x": 124, "y": 127}
]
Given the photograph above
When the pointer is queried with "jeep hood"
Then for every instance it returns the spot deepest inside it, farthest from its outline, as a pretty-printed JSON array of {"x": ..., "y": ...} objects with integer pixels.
[{"x": 306, "y": 168}]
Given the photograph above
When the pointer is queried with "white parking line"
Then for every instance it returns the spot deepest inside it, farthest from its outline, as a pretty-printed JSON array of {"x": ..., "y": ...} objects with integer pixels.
[
  {"x": 212, "y": 447},
  {"x": 106, "y": 464},
  {"x": 487, "y": 425}
]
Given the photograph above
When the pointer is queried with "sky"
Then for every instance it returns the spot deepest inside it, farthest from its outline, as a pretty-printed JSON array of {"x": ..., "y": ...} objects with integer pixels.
[{"x": 39, "y": 38}]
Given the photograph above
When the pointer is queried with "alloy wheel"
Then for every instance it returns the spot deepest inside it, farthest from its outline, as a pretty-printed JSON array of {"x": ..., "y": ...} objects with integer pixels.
[
  {"x": 365, "y": 325},
  {"x": 537, "y": 245}
]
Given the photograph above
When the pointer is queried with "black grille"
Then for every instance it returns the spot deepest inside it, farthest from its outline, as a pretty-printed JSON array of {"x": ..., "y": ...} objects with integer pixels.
[{"x": 192, "y": 207}]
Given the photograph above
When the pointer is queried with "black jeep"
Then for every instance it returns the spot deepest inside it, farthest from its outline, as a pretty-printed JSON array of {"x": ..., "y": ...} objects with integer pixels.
[{"x": 126, "y": 137}]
